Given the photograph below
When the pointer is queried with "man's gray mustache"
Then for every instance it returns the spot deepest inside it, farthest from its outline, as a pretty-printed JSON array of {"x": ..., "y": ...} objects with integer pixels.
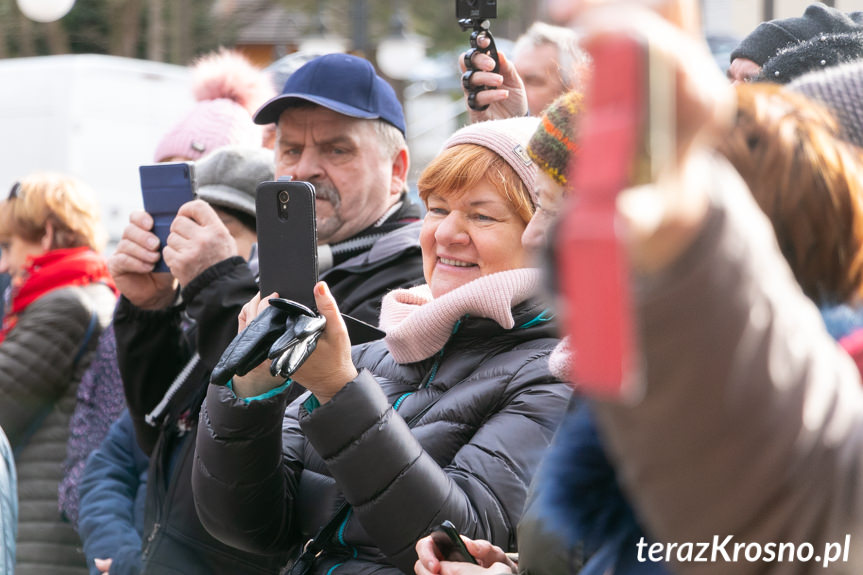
[{"x": 328, "y": 194}]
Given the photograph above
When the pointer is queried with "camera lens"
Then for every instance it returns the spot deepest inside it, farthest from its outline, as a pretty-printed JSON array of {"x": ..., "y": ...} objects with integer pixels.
[{"x": 283, "y": 197}]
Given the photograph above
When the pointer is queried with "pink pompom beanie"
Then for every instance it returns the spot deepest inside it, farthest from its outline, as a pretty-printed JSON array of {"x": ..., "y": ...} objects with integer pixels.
[{"x": 228, "y": 89}]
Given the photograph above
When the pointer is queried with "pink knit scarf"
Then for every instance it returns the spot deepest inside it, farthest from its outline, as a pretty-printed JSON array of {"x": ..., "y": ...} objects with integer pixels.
[{"x": 418, "y": 325}]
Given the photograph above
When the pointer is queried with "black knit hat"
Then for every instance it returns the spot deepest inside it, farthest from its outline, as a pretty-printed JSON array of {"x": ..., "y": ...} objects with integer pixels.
[
  {"x": 769, "y": 37},
  {"x": 816, "y": 54}
]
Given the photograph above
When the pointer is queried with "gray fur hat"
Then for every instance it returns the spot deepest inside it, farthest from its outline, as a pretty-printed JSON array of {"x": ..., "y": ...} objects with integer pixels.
[{"x": 228, "y": 177}]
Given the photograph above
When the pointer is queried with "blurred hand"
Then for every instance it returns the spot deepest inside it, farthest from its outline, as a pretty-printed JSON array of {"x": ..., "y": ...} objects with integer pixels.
[
  {"x": 506, "y": 98},
  {"x": 661, "y": 219},
  {"x": 682, "y": 13},
  {"x": 131, "y": 266},
  {"x": 103, "y": 565},
  {"x": 492, "y": 559},
  {"x": 197, "y": 241}
]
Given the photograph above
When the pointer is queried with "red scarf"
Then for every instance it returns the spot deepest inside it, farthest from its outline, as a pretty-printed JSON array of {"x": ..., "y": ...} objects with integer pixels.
[{"x": 51, "y": 271}]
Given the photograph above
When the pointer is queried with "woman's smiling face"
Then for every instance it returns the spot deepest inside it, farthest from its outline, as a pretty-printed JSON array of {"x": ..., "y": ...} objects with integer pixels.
[{"x": 468, "y": 235}]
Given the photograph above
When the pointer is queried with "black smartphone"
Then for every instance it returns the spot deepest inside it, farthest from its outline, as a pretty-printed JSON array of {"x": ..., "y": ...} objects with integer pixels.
[
  {"x": 287, "y": 240},
  {"x": 164, "y": 188},
  {"x": 450, "y": 544}
]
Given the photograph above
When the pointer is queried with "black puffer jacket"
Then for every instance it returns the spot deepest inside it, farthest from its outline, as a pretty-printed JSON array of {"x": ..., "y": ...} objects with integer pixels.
[{"x": 469, "y": 458}]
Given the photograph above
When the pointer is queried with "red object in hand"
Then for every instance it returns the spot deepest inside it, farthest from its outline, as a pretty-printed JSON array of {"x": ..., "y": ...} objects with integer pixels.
[{"x": 591, "y": 260}]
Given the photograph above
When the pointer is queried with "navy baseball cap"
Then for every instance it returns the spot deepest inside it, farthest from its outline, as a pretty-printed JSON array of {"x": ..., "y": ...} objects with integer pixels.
[{"x": 342, "y": 83}]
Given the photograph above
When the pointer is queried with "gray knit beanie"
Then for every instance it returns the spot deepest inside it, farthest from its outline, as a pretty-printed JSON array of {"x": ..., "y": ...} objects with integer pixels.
[
  {"x": 506, "y": 138},
  {"x": 769, "y": 37},
  {"x": 841, "y": 90},
  {"x": 228, "y": 177}
]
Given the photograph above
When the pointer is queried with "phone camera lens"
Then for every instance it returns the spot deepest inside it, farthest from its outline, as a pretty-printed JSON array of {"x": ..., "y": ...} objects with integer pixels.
[{"x": 283, "y": 197}]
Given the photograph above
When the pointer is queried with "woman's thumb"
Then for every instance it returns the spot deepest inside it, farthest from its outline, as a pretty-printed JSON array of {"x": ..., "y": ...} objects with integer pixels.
[
  {"x": 327, "y": 305},
  {"x": 328, "y": 308}
]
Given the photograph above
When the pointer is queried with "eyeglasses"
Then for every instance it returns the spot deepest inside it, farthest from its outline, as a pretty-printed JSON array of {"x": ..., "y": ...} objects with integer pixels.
[{"x": 13, "y": 193}]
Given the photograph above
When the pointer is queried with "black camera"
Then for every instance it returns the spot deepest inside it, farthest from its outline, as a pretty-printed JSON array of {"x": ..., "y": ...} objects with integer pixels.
[{"x": 475, "y": 9}]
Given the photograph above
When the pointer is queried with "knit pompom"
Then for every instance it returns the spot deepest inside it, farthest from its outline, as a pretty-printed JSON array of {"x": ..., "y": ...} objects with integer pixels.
[
  {"x": 554, "y": 143},
  {"x": 229, "y": 89},
  {"x": 228, "y": 74}
]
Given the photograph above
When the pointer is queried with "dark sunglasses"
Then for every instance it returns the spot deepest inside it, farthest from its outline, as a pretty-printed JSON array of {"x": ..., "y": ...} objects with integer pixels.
[{"x": 13, "y": 193}]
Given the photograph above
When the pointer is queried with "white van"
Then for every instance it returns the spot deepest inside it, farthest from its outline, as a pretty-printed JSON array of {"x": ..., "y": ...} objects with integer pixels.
[{"x": 95, "y": 117}]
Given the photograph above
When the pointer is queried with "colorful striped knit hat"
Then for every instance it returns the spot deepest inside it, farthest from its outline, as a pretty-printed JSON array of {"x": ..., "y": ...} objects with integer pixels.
[{"x": 554, "y": 142}]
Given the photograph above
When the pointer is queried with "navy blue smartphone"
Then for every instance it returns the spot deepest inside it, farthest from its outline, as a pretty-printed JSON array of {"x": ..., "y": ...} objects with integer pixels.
[
  {"x": 164, "y": 188},
  {"x": 287, "y": 240},
  {"x": 450, "y": 544}
]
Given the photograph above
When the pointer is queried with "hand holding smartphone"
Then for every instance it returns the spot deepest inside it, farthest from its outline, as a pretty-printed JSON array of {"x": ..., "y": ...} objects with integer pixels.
[
  {"x": 164, "y": 188},
  {"x": 450, "y": 545}
]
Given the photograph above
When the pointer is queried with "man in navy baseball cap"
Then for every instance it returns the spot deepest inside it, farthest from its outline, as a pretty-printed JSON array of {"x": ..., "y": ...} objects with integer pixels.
[
  {"x": 341, "y": 127},
  {"x": 344, "y": 84}
]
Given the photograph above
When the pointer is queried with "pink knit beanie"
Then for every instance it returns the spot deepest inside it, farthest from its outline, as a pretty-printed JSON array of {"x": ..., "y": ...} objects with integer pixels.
[
  {"x": 228, "y": 89},
  {"x": 506, "y": 138}
]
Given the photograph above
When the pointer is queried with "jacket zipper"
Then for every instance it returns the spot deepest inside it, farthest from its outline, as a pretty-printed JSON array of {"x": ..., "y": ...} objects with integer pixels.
[
  {"x": 150, "y": 539},
  {"x": 154, "y": 418},
  {"x": 159, "y": 492}
]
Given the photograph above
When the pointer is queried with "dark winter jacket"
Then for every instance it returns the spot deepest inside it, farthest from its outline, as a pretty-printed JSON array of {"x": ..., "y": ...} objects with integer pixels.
[
  {"x": 112, "y": 490},
  {"x": 38, "y": 383},
  {"x": 580, "y": 501},
  {"x": 153, "y": 349},
  {"x": 267, "y": 479}
]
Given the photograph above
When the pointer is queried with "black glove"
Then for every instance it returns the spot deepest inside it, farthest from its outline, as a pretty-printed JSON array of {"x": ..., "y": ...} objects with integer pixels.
[
  {"x": 290, "y": 324},
  {"x": 295, "y": 345}
]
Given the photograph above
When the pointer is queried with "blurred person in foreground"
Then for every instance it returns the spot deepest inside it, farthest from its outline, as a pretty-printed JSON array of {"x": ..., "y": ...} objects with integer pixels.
[
  {"x": 445, "y": 418},
  {"x": 808, "y": 181},
  {"x": 737, "y": 364},
  {"x": 122, "y": 495},
  {"x": 62, "y": 298}
]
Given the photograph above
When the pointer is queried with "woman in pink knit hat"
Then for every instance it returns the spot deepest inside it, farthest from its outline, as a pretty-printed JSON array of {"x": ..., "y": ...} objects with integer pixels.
[
  {"x": 228, "y": 90},
  {"x": 445, "y": 418}
]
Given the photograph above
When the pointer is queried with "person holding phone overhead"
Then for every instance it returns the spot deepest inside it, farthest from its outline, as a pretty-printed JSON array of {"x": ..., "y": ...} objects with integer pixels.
[
  {"x": 62, "y": 298},
  {"x": 443, "y": 419},
  {"x": 356, "y": 156}
]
